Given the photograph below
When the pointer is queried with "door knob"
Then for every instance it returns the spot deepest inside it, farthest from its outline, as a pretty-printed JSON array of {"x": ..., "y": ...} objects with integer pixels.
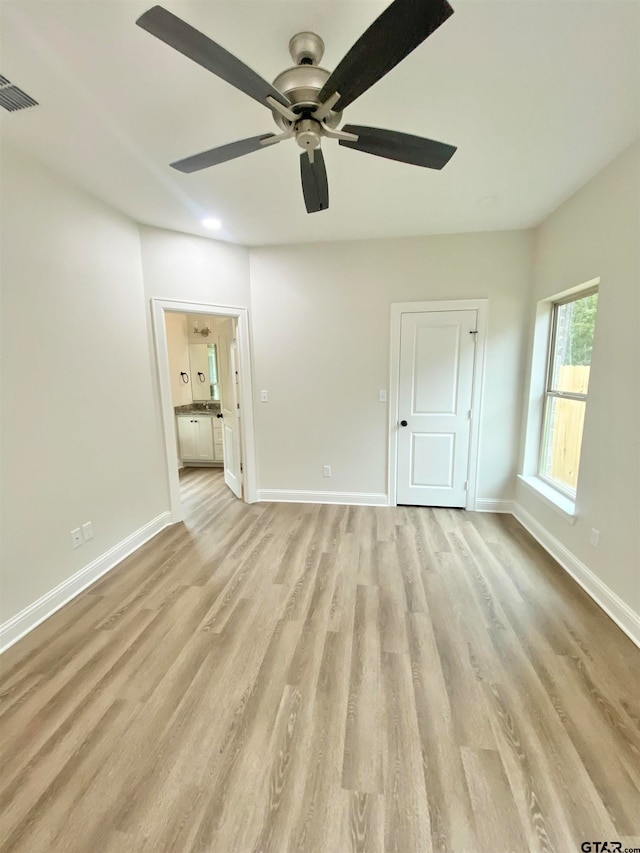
[
  {"x": 403, "y": 423},
  {"x": 219, "y": 415}
]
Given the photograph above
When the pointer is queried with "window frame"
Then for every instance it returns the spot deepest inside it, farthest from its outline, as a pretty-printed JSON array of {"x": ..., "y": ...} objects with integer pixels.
[{"x": 549, "y": 393}]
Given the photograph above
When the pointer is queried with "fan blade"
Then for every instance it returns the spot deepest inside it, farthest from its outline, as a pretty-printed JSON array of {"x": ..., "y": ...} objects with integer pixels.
[
  {"x": 221, "y": 154},
  {"x": 399, "y": 146},
  {"x": 201, "y": 49},
  {"x": 400, "y": 29},
  {"x": 314, "y": 182}
]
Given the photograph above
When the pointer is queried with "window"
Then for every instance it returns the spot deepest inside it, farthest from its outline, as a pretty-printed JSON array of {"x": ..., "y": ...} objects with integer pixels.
[
  {"x": 565, "y": 399},
  {"x": 213, "y": 371}
]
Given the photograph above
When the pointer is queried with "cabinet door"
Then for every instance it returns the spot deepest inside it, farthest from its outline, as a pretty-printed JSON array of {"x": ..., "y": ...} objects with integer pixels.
[
  {"x": 204, "y": 439},
  {"x": 187, "y": 437}
]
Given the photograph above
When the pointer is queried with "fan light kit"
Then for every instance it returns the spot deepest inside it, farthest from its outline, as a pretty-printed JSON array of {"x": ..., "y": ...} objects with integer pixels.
[{"x": 307, "y": 101}]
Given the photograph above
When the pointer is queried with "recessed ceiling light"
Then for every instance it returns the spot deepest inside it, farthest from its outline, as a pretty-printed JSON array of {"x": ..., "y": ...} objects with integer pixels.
[{"x": 214, "y": 224}]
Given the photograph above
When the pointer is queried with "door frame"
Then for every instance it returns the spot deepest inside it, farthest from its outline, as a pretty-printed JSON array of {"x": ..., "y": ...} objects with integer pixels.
[
  {"x": 397, "y": 310},
  {"x": 247, "y": 436}
]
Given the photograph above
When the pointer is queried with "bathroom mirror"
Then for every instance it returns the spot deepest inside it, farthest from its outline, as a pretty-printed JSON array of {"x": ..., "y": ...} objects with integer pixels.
[{"x": 203, "y": 360}]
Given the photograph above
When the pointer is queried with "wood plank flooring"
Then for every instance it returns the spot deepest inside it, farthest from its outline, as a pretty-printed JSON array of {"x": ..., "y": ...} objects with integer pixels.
[{"x": 322, "y": 679}]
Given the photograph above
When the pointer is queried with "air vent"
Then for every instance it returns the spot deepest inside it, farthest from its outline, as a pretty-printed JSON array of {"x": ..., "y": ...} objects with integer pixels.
[{"x": 12, "y": 98}]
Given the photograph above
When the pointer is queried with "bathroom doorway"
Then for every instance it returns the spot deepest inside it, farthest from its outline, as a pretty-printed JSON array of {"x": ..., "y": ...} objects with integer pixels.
[{"x": 203, "y": 360}]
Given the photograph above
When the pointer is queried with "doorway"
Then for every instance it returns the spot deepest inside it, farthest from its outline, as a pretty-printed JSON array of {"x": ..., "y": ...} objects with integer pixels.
[
  {"x": 236, "y": 406},
  {"x": 437, "y": 358}
]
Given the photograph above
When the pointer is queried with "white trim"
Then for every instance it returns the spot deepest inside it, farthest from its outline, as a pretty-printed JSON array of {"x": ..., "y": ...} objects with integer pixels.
[
  {"x": 563, "y": 505},
  {"x": 25, "y": 621},
  {"x": 158, "y": 309},
  {"x": 493, "y": 505},
  {"x": 624, "y": 617},
  {"x": 304, "y": 497},
  {"x": 397, "y": 310}
]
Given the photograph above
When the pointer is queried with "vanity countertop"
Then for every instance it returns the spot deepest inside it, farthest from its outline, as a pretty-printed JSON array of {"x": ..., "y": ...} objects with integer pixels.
[{"x": 200, "y": 409}]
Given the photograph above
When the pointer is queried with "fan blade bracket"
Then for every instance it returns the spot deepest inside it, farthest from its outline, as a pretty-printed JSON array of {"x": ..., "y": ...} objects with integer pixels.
[
  {"x": 324, "y": 109},
  {"x": 285, "y": 112},
  {"x": 278, "y": 137},
  {"x": 344, "y": 135}
]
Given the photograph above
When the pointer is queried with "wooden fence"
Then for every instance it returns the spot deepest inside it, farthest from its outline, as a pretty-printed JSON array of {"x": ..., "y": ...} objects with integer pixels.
[{"x": 566, "y": 437}]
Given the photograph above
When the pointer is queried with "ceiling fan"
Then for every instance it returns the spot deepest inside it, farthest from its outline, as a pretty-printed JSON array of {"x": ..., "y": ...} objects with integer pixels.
[{"x": 307, "y": 101}]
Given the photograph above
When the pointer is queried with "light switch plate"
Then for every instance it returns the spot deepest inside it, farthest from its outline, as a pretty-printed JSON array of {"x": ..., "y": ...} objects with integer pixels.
[
  {"x": 382, "y": 396},
  {"x": 76, "y": 538},
  {"x": 264, "y": 396}
]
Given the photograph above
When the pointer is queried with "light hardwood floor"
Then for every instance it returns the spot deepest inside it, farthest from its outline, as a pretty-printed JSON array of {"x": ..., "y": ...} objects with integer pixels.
[{"x": 289, "y": 677}]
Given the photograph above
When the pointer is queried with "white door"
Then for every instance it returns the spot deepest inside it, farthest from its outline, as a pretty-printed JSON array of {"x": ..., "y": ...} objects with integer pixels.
[
  {"x": 230, "y": 419},
  {"x": 437, "y": 352},
  {"x": 218, "y": 455}
]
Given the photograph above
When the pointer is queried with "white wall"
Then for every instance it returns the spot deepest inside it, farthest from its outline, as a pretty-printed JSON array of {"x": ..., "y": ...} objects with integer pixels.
[
  {"x": 178, "y": 350},
  {"x": 190, "y": 269},
  {"x": 81, "y": 443},
  {"x": 194, "y": 269},
  {"x": 321, "y": 318},
  {"x": 597, "y": 233},
  {"x": 87, "y": 444}
]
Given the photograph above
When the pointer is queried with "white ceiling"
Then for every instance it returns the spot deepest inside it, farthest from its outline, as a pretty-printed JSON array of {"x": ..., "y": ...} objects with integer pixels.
[{"x": 538, "y": 96}]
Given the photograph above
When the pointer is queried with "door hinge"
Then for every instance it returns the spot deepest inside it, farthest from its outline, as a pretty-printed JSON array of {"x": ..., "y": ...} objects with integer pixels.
[
  {"x": 469, "y": 414},
  {"x": 466, "y": 485},
  {"x": 241, "y": 468}
]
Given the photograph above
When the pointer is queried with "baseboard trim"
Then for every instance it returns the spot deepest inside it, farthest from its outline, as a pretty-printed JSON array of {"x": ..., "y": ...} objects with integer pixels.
[
  {"x": 304, "y": 497},
  {"x": 493, "y": 505},
  {"x": 25, "y": 621},
  {"x": 624, "y": 617}
]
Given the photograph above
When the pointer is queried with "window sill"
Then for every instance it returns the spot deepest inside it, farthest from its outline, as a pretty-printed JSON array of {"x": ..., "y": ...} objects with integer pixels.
[{"x": 563, "y": 505}]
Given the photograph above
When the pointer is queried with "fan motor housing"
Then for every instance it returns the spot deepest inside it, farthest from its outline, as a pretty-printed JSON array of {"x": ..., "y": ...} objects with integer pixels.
[
  {"x": 302, "y": 85},
  {"x": 303, "y": 82}
]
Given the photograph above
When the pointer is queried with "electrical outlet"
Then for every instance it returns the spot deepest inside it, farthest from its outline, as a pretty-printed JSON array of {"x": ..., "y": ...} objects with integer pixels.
[
  {"x": 87, "y": 531},
  {"x": 382, "y": 396},
  {"x": 264, "y": 396},
  {"x": 326, "y": 470},
  {"x": 595, "y": 537},
  {"x": 76, "y": 538}
]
